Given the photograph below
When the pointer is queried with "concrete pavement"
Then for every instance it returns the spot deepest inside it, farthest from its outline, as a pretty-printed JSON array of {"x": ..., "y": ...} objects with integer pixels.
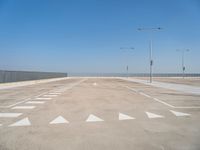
[{"x": 98, "y": 113}]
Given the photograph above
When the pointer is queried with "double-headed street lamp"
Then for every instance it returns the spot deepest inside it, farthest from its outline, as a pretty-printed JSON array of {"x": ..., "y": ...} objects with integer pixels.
[
  {"x": 183, "y": 59},
  {"x": 151, "y": 48},
  {"x": 127, "y": 48}
]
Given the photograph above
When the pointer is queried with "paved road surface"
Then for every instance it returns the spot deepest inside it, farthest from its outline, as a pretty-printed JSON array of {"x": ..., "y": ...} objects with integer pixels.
[{"x": 98, "y": 113}]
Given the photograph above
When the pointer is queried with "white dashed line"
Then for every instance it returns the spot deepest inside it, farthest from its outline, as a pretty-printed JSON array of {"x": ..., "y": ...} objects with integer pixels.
[
  {"x": 35, "y": 102},
  {"x": 10, "y": 115},
  {"x": 163, "y": 102},
  {"x": 148, "y": 96},
  {"x": 23, "y": 107}
]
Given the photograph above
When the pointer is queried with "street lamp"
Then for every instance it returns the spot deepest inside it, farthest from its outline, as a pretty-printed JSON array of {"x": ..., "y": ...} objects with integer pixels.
[
  {"x": 127, "y": 48},
  {"x": 151, "y": 48},
  {"x": 183, "y": 59}
]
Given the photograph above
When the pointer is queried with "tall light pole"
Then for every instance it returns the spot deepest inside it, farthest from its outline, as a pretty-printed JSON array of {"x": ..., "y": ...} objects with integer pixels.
[
  {"x": 151, "y": 49},
  {"x": 183, "y": 59},
  {"x": 127, "y": 48}
]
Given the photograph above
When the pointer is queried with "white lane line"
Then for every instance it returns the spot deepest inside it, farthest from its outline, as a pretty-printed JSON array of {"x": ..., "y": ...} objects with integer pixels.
[
  {"x": 146, "y": 95},
  {"x": 35, "y": 102},
  {"x": 23, "y": 122},
  {"x": 130, "y": 88},
  {"x": 44, "y": 98},
  {"x": 163, "y": 103},
  {"x": 125, "y": 117},
  {"x": 10, "y": 115},
  {"x": 152, "y": 115},
  {"x": 23, "y": 107},
  {"x": 151, "y": 97},
  {"x": 93, "y": 118},
  {"x": 50, "y": 95},
  {"x": 179, "y": 114},
  {"x": 59, "y": 120},
  {"x": 185, "y": 107}
]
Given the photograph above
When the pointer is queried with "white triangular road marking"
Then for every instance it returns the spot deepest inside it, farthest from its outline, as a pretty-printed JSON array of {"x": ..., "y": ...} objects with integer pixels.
[
  {"x": 23, "y": 122},
  {"x": 93, "y": 118},
  {"x": 152, "y": 115},
  {"x": 124, "y": 117},
  {"x": 179, "y": 114},
  {"x": 58, "y": 120}
]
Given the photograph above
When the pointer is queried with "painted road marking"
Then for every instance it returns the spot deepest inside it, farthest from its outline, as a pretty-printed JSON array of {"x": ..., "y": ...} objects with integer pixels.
[
  {"x": 93, "y": 118},
  {"x": 23, "y": 107},
  {"x": 124, "y": 117},
  {"x": 50, "y": 95},
  {"x": 152, "y": 115},
  {"x": 130, "y": 88},
  {"x": 59, "y": 120},
  {"x": 10, "y": 115},
  {"x": 1, "y": 125},
  {"x": 163, "y": 103},
  {"x": 23, "y": 122},
  {"x": 44, "y": 98},
  {"x": 179, "y": 114},
  {"x": 146, "y": 95},
  {"x": 35, "y": 102},
  {"x": 55, "y": 93},
  {"x": 95, "y": 84}
]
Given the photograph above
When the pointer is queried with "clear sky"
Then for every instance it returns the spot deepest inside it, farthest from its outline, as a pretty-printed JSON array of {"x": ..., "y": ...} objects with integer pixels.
[{"x": 86, "y": 35}]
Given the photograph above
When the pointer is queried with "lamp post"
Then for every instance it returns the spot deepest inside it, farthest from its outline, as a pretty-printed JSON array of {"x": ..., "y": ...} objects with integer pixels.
[
  {"x": 183, "y": 59},
  {"x": 151, "y": 49},
  {"x": 127, "y": 48}
]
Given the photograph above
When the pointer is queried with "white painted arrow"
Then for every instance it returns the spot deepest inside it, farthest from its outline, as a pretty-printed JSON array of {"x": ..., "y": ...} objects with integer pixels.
[
  {"x": 152, "y": 115},
  {"x": 124, "y": 117},
  {"x": 93, "y": 118},
  {"x": 59, "y": 120},
  {"x": 179, "y": 114},
  {"x": 23, "y": 122}
]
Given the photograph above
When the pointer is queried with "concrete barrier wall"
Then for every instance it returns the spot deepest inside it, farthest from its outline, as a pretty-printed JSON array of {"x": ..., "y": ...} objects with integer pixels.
[{"x": 13, "y": 76}]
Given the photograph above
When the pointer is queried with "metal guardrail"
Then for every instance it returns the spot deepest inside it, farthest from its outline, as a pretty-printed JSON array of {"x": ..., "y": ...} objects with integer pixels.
[{"x": 13, "y": 76}]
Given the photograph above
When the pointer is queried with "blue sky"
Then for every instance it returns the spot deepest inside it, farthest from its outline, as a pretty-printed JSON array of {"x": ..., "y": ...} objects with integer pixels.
[{"x": 79, "y": 36}]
